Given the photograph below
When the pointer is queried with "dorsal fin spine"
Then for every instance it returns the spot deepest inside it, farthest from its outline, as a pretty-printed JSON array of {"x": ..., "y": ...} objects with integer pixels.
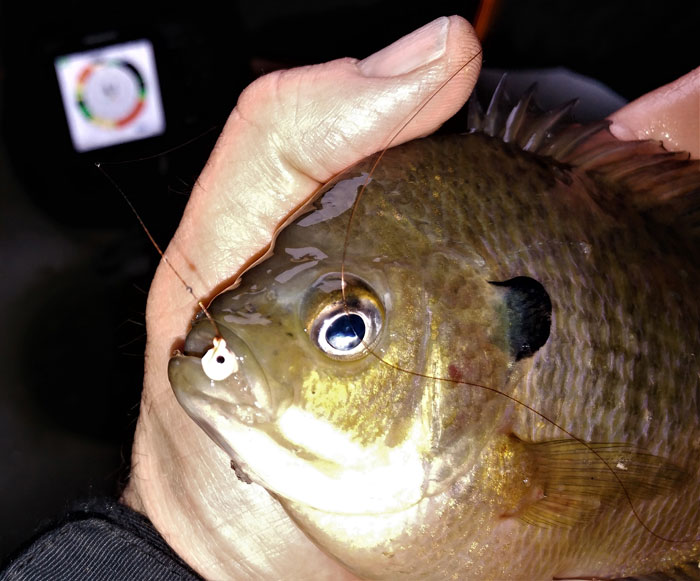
[{"x": 651, "y": 177}]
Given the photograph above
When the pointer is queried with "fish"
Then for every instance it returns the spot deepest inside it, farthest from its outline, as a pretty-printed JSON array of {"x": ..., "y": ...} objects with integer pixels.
[{"x": 474, "y": 356}]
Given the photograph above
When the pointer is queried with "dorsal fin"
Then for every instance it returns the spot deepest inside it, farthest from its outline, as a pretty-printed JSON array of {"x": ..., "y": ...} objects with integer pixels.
[
  {"x": 550, "y": 133},
  {"x": 663, "y": 183}
]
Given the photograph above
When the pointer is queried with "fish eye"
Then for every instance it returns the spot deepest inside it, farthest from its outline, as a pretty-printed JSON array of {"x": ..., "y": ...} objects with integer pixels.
[{"x": 346, "y": 327}]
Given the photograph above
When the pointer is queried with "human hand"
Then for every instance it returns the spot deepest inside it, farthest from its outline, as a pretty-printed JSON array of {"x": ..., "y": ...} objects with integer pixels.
[{"x": 290, "y": 132}]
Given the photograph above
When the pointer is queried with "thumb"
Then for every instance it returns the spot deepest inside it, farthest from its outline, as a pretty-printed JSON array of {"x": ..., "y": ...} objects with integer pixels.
[{"x": 293, "y": 130}]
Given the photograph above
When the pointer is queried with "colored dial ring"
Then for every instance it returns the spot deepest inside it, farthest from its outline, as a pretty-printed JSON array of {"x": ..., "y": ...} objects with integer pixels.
[{"x": 124, "y": 119}]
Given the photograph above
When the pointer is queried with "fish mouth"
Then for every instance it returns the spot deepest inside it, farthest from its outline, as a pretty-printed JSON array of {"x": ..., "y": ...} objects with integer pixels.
[
  {"x": 261, "y": 451},
  {"x": 272, "y": 443},
  {"x": 244, "y": 395}
]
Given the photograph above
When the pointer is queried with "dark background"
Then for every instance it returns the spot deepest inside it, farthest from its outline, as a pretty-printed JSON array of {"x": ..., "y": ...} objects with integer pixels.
[{"x": 76, "y": 267}]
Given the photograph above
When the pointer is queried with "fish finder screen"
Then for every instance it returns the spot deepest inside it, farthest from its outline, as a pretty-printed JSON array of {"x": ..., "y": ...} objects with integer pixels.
[{"x": 111, "y": 95}]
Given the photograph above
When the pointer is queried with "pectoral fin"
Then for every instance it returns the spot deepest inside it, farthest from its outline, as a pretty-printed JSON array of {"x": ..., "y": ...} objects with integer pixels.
[{"x": 577, "y": 480}]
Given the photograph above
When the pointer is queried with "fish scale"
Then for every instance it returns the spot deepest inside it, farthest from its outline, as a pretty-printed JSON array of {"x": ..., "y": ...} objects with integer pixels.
[{"x": 420, "y": 456}]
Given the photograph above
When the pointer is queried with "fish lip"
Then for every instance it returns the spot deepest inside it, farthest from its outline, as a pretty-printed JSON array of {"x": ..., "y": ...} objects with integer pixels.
[
  {"x": 245, "y": 394},
  {"x": 231, "y": 394}
]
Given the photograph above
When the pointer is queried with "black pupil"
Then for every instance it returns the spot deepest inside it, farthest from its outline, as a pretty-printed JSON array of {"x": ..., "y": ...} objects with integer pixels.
[
  {"x": 220, "y": 359},
  {"x": 346, "y": 332}
]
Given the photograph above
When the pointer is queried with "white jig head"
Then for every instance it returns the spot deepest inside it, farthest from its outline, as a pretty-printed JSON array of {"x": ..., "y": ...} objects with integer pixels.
[{"x": 219, "y": 362}]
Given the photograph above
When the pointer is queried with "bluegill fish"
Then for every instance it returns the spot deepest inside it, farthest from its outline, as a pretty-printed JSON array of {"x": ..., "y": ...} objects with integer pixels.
[{"x": 476, "y": 359}]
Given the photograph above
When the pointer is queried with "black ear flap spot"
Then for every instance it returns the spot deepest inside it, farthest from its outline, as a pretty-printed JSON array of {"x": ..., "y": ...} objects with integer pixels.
[{"x": 529, "y": 315}]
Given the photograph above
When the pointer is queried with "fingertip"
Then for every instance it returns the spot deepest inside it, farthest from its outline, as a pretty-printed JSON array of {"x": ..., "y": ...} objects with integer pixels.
[
  {"x": 424, "y": 46},
  {"x": 670, "y": 114},
  {"x": 415, "y": 50},
  {"x": 434, "y": 70},
  {"x": 457, "y": 75}
]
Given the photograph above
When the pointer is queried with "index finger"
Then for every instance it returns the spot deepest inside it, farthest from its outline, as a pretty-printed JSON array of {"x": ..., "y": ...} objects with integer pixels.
[{"x": 670, "y": 114}]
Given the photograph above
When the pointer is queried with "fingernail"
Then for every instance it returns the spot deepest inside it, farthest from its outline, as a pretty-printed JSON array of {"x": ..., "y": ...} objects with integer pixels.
[
  {"x": 409, "y": 53},
  {"x": 622, "y": 132}
]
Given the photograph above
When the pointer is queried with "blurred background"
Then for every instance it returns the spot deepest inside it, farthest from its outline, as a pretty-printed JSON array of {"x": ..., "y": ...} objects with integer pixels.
[{"x": 144, "y": 88}]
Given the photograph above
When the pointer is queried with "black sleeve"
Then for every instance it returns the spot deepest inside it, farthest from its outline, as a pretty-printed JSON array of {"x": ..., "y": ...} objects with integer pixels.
[{"x": 100, "y": 540}]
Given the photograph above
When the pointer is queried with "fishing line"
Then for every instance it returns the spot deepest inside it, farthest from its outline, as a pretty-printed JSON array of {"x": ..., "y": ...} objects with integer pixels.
[
  {"x": 165, "y": 259},
  {"x": 554, "y": 424},
  {"x": 390, "y": 143},
  {"x": 494, "y": 390},
  {"x": 218, "y": 340},
  {"x": 160, "y": 153}
]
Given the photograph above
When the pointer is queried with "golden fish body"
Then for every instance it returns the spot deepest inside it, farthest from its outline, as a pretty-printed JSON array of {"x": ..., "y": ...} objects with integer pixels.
[{"x": 386, "y": 348}]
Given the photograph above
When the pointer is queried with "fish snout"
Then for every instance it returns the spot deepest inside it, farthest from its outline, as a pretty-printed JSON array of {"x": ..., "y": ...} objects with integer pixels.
[{"x": 242, "y": 395}]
